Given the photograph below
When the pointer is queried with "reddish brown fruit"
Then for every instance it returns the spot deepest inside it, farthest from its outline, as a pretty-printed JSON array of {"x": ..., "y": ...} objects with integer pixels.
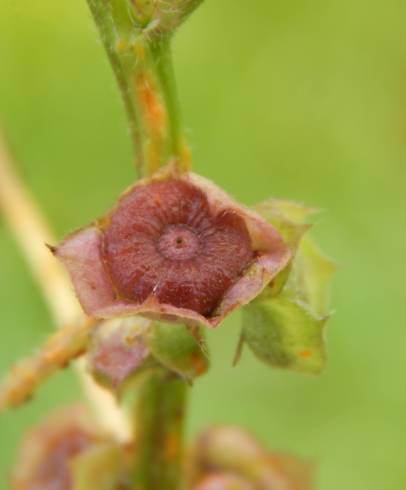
[
  {"x": 174, "y": 247},
  {"x": 227, "y": 450},
  {"x": 53, "y": 471},
  {"x": 164, "y": 240},
  {"x": 45, "y": 456}
]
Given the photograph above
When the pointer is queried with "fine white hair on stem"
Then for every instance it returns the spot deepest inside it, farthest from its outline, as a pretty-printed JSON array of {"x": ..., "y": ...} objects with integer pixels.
[{"x": 32, "y": 232}]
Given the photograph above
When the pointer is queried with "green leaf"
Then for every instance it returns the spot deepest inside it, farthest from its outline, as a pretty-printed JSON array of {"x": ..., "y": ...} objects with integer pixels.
[{"x": 284, "y": 333}]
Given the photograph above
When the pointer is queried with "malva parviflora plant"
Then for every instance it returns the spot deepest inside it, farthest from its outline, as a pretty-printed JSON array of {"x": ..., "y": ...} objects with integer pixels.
[{"x": 171, "y": 258}]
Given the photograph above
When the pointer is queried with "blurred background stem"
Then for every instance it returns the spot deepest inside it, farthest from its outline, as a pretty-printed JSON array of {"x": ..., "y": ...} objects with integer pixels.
[{"x": 32, "y": 232}]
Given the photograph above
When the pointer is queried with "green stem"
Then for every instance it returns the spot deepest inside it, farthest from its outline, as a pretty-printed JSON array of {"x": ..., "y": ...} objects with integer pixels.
[
  {"x": 159, "y": 429},
  {"x": 137, "y": 41},
  {"x": 166, "y": 75},
  {"x": 136, "y": 35}
]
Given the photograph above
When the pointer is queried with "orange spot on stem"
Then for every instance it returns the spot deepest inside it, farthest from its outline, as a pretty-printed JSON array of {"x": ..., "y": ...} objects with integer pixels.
[
  {"x": 199, "y": 363},
  {"x": 151, "y": 106},
  {"x": 171, "y": 447},
  {"x": 305, "y": 353}
]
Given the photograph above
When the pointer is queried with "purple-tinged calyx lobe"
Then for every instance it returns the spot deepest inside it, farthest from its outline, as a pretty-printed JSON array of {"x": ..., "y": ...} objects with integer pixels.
[
  {"x": 118, "y": 352},
  {"x": 45, "y": 457},
  {"x": 173, "y": 247}
]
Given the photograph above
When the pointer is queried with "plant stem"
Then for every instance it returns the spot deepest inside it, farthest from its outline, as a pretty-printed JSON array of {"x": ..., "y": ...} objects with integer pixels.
[
  {"x": 136, "y": 35},
  {"x": 137, "y": 42},
  {"x": 159, "y": 417}
]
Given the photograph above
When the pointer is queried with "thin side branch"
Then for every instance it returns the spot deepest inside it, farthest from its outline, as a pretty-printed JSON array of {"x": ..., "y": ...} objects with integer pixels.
[{"x": 59, "y": 350}]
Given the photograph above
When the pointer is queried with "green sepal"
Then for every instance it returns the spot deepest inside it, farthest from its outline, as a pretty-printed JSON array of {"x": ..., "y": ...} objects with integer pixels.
[
  {"x": 284, "y": 325},
  {"x": 295, "y": 211},
  {"x": 284, "y": 333},
  {"x": 102, "y": 466},
  {"x": 179, "y": 348},
  {"x": 309, "y": 274},
  {"x": 311, "y": 277},
  {"x": 288, "y": 217}
]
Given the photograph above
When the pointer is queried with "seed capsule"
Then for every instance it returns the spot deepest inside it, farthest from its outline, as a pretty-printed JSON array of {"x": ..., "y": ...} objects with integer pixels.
[{"x": 174, "y": 247}]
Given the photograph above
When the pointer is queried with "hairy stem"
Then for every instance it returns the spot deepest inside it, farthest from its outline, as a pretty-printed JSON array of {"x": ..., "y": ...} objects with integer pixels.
[
  {"x": 136, "y": 37},
  {"x": 159, "y": 429},
  {"x": 59, "y": 350},
  {"x": 173, "y": 13}
]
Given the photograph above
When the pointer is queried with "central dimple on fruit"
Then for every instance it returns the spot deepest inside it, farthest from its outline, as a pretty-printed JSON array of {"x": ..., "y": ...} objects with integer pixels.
[
  {"x": 164, "y": 240},
  {"x": 178, "y": 242}
]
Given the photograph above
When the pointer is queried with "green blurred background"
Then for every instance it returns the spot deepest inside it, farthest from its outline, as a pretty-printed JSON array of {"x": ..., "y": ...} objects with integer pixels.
[{"x": 303, "y": 100}]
